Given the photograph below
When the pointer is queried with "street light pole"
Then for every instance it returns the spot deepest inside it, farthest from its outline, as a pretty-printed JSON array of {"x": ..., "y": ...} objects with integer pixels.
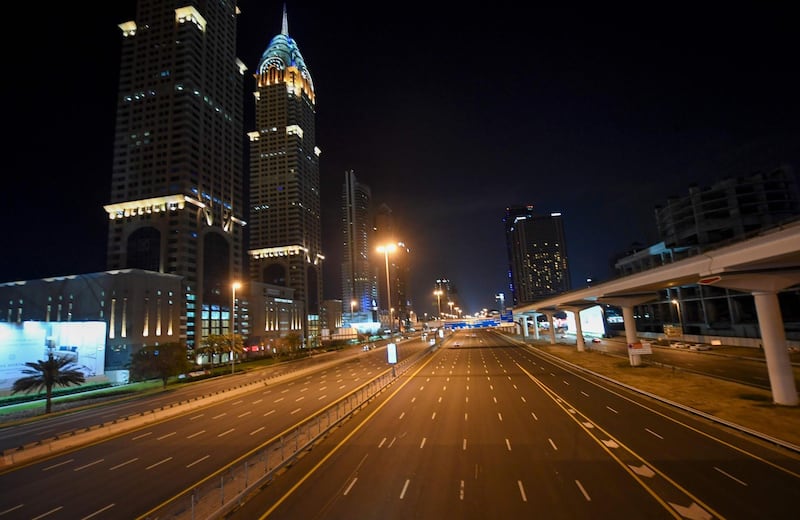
[
  {"x": 234, "y": 286},
  {"x": 386, "y": 249},
  {"x": 680, "y": 319},
  {"x": 438, "y": 293}
]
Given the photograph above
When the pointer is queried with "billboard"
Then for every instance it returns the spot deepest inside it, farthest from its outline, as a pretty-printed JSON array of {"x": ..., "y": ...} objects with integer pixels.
[{"x": 83, "y": 342}]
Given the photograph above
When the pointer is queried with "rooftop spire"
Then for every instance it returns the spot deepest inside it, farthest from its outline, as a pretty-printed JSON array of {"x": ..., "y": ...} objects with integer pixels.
[{"x": 285, "y": 24}]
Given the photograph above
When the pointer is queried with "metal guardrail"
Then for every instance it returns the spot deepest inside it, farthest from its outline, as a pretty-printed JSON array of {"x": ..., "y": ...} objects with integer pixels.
[{"x": 226, "y": 489}]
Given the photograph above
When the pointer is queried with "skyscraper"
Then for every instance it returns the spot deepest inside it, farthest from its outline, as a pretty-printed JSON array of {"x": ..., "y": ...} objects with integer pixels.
[
  {"x": 537, "y": 254},
  {"x": 392, "y": 285},
  {"x": 176, "y": 188},
  {"x": 285, "y": 233},
  {"x": 359, "y": 285}
]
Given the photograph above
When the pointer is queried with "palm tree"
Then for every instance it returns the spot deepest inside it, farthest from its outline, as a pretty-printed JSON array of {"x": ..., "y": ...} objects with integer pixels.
[{"x": 54, "y": 371}]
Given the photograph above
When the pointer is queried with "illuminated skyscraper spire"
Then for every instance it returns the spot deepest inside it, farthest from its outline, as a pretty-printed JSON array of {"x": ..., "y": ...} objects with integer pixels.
[{"x": 285, "y": 24}]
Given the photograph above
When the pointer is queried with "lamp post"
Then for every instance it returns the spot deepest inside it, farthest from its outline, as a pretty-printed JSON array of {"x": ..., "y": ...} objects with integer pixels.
[
  {"x": 438, "y": 293},
  {"x": 450, "y": 303},
  {"x": 234, "y": 286},
  {"x": 352, "y": 309},
  {"x": 386, "y": 249},
  {"x": 680, "y": 319}
]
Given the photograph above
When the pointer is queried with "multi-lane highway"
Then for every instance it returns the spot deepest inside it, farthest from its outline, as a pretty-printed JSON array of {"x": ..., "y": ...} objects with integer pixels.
[
  {"x": 486, "y": 429},
  {"x": 130, "y": 474},
  {"x": 491, "y": 429}
]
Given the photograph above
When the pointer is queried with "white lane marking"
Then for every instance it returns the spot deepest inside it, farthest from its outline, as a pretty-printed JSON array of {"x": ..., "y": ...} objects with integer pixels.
[
  {"x": 515, "y": 387},
  {"x": 534, "y": 416},
  {"x": 522, "y": 491},
  {"x": 584, "y": 394},
  {"x": 141, "y": 436},
  {"x": 196, "y": 417},
  {"x": 352, "y": 483},
  {"x": 405, "y": 487},
  {"x": 195, "y": 434},
  {"x": 421, "y": 387},
  {"x": 612, "y": 409},
  {"x": 433, "y": 416},
  {"x": 162, "y": 461},
  {"x": 402, "y": 415},
  {"x": 14, "y": 508},
  {"x": 466, "y": 399},
  {"x": 121, "y": 464},
  {"x": 226, "y": 432},
  {"x": 57, "y": 465},
  {"x": 299, "y": 398},
  {"x": 256, "y": 431},
  {"x": 444, "y": 387},
  {"x": 198, "y": 461},
  {"x": 323, "y": 388},
  {"x": 242, "y": 415},
  {"x": 421, "y": 444},
  {"x": 465, "y": 416},
  {"x": 257, "y": 401},
  {"x": 731, "y": 476},
  {"x": 585, "y": 494},
  {"x": 523, "y": 399},
  {"x": 284, "y": 391},
  {"x": 500, "y": 416},
  {"x": 380, "y": 444},
  {"x": 342, "y": 387},
  {"x": 223, "y": 414},
  {"x": 295, "y": 411},
  {"x": 59, "y": 508},
  {"x": 238, "y": 402},
  {"x": 654, "y": 434},
  {"x": 392, "y": 443},
  {"x": 320, "y": 398},
  {"x": 461, "y": 491},
  {"x": 565, "y": 382},
  {"x": 87, "y": 517},
  {"x": 464, "y": 445},
  {"x": 508, "y": 444},
  {"x": 440, "y": 399},
  {"x": 494, "y": 399},
  {"x": 278, "y": 400},
  {"x": 269, "y": 412},
  {"x": 98, "y": 461},
  {"x": 553, "y": 444}
]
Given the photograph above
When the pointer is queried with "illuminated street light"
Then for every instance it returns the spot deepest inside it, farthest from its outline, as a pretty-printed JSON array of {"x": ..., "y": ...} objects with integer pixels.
[
  {"x": 438, "y": 293},
  {"x": 450, "y": 303},
  {"x": 386, "y": 249},
  {"x": 680, "y": 319},
  {"x": 234, "y": 286}
]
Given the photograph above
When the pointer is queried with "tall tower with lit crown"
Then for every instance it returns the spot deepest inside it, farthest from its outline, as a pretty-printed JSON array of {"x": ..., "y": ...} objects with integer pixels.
[
  {"x": 285, "y": 229},
  {"x": 176, "y": 186}
]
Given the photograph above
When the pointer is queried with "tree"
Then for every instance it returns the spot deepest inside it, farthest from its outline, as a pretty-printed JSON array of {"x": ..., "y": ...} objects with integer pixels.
[
  {"x": 218, "y": 344},
  {"x": 159, "y": 362},
  {"x": 53, "y": 371}
]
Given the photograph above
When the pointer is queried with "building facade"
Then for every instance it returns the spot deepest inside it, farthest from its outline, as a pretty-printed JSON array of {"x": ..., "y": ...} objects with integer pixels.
[
  {"x": 359, "y": 285},
  {"x": 176, "y": 187},
  {"x": 392, "y": 271},
  {"x": 284, "y": 225},
  {"x": 537, "y": 254}
]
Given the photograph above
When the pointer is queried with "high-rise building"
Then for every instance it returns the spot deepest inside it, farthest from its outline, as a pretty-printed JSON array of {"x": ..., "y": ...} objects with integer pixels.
[
  {"x": 176, "y": 189},
  {"x": 537, "y": 254},
  {"x": 359, "y": 286},
  {"x": 284, "y": 225},
  {"x": 393, "y": 271}
]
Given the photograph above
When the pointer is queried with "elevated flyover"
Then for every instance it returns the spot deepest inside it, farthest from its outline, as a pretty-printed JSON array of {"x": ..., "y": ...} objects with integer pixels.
[{"x": 762, "y": 265}]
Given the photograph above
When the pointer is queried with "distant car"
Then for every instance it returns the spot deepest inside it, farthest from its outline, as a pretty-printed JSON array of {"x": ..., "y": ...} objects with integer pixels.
[
  {"x": 457, "y": 345},
  {"x": 699, "y": 346},
  {"x": 678, "y": 344},
  {"x": 596, "y": 340}
]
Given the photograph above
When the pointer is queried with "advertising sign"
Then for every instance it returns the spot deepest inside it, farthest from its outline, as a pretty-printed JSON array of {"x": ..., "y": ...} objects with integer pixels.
[
  {"x": 391, "y": 352},
  {"x": 639, "y": 348}
]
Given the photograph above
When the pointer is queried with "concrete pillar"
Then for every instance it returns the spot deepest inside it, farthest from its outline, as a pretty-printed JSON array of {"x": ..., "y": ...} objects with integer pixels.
[
  {"x": 630, "y": 334},
  {"x": 552, "y": 328},
  {"x": 779, "y": 365},
  {"x": 523, "y": 321},
  {"x": 579, "y": 342},
  {"x": 536, "y": 326}
]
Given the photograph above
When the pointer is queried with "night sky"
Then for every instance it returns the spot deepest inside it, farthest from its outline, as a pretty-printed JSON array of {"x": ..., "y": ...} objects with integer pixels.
[{"x": 449, "y": 114}]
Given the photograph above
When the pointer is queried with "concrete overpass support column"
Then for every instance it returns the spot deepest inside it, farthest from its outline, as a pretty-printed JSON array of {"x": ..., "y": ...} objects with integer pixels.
[
  {"x": 523, "y": 322},
  {"x": 536, "y": 326},
  {"x": 630, "y": 334},
  {"x": 552, "y": 328},
  {"x": 779, "y": 365},
  {"x": 579, "y": 332}
]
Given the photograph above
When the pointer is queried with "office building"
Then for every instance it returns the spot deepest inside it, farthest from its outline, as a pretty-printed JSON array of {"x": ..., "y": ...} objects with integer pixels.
[
  {"x": 537, "y": 254},
  {"x": 176, "y": 189},
  {"x": 392, "y": 271},
  {"x": 359, "y": 284},
  {"x": 284, "y": 227}
]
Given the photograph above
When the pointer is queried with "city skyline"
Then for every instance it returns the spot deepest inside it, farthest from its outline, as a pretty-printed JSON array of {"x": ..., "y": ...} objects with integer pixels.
[{"x": 449, "y": 118}]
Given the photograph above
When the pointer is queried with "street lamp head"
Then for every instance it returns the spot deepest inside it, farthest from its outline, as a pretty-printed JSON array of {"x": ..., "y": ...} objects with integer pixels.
[
  {"x": 387, "y": 248},
  {"x": 236, "y": 285}
]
